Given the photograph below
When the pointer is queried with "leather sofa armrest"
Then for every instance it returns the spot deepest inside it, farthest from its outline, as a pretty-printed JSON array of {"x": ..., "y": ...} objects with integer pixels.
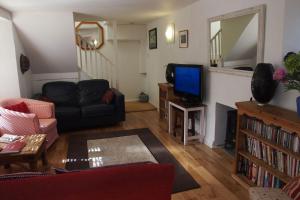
[{"x": 119, "y": 102}]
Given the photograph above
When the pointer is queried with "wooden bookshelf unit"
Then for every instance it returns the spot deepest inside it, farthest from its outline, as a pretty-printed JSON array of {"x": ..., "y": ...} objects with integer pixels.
[
  {"x": 267, "y": 145},
  {"x": 165, "y": 95}
]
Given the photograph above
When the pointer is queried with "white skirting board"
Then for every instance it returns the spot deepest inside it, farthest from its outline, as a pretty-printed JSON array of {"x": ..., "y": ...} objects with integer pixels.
[{"x": 38, "y": 80}]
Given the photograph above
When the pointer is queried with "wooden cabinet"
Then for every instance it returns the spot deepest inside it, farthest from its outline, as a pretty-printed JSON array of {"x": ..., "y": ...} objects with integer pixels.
[
  {"x": 267, "y": 145},
  {"x": 165, "y": 95}
]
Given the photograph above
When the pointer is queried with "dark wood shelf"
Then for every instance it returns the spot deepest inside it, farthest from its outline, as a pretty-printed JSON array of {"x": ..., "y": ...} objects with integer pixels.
[
  {"x": 243, "y": 180},
  {"x": 271, "y": 144},
  {"x": 282, "y": 176},
  {"x": 165, "y": 95},
  {"x": 270, "y": 115}
]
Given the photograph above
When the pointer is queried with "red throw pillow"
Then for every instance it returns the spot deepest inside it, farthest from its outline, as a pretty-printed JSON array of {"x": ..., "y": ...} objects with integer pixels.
[
  {"x": 20, "y": 107},
  {"x": 108, "y": 96},
  {"x": 292, "y": 189}
]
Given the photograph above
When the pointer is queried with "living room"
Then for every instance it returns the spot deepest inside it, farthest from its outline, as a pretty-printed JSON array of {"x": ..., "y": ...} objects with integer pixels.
[{"x": 43, "y": 59}]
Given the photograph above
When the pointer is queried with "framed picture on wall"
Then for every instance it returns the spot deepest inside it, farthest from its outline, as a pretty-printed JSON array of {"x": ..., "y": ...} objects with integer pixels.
[
  {"x": 184, "y": 39},
  {"x": 153, "y": 38}
]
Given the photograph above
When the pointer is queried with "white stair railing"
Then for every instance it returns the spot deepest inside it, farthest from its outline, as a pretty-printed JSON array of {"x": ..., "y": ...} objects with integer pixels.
[
  {"x": 216, "y": 48},
  {"x": 96, "y": 65}
]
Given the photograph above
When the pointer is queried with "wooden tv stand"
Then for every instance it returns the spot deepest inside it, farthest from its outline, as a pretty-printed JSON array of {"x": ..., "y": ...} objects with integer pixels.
[{"x": 186, "y": 109}]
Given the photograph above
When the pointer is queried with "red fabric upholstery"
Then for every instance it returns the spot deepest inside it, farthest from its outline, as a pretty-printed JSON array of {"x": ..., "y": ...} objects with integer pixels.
[
  {"x": 108, "y": 96},
  {"x": 20, "y": 107},
  {"x": 292, "y": 189},
  {"x": 132, "y": 182}
]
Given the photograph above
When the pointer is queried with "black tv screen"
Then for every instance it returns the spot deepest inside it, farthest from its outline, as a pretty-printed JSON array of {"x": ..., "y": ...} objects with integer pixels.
[{"x": 188, "y": 81}]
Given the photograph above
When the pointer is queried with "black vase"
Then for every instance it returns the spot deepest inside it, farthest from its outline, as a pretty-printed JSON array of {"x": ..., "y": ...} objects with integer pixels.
[{"x": 263, "y": 86}]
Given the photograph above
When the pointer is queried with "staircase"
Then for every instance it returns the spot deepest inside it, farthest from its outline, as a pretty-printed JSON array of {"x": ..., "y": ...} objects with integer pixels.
[
  {"x": 216, "y": 48},
  {"x": 95, "y": 65}
]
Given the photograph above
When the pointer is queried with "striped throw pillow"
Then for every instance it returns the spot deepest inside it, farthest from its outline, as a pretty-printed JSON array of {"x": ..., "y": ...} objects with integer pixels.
[{"x": 292, "y": 189}]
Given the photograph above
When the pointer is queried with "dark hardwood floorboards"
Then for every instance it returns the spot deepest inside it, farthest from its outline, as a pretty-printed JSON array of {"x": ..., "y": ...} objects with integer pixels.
[{"x": 211, "y": 168}]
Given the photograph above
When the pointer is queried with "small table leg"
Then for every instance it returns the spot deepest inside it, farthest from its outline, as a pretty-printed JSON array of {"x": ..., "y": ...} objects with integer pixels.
[
  {"x": 7, "y": 166},
  {"x": 44, "y": 158},
  {"x": 186, "y": 127},
  {"x": 33, "y": 165},
  {"x": 171, "y": 123}
]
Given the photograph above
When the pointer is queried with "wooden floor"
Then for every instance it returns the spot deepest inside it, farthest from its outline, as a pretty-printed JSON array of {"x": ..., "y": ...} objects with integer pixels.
[
  {"x": 211, "y": 168},
  {"x": 136, "y": 106}
]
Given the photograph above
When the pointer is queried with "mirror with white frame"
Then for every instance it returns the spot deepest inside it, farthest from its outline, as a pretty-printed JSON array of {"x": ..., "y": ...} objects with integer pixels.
[{"x": 237, "y": 39}]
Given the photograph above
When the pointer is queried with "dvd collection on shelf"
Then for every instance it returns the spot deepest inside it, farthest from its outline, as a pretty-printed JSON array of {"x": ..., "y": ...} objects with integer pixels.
[
  {"x": 273, "y": 133},
  {"x": 258, "y": 175},
  {"x": 273, "y": 157},
  {"x": 279, "y": 155}
]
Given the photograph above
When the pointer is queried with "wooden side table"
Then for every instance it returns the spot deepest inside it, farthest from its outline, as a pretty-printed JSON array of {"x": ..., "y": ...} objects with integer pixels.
[
  {"x": 186, "y": 109},
  {"x": 34, "y": 150}
]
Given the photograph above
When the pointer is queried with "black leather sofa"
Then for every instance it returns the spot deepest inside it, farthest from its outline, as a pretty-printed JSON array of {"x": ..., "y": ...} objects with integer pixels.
[{"x": 79, "y": 105}]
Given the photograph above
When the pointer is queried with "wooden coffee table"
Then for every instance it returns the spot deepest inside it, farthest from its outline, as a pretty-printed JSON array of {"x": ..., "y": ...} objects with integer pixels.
[{"x": 34, "y": 150}]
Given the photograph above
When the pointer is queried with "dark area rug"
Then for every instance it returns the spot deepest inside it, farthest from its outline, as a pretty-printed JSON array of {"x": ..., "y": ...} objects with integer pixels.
[{"x": 78, "y": 149}]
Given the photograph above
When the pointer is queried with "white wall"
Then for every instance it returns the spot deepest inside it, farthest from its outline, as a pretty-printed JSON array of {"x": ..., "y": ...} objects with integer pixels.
[
  {"x": 25, "y": 81},
  {"x": 49, "y": 40},
  {"x": 11, "y": 49},
  {"x": 5, "y": 14},
  {"x": 8, "y": 65},
  {"x": 38, "y": 80},
  {"x": 223, "y": 88}
]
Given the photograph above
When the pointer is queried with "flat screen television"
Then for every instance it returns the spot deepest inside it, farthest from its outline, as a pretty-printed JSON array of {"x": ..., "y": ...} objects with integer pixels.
[{"x": 188, "y": 82}]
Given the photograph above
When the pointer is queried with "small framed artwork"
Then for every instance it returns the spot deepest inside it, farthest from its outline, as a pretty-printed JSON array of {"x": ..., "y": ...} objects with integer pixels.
[
  {"x": 184, "y": 39},
  {"x": 153, "y": 38}
]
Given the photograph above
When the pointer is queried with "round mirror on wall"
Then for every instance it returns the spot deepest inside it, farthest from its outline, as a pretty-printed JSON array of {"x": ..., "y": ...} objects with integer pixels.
[{"x": 89, "y": 35}]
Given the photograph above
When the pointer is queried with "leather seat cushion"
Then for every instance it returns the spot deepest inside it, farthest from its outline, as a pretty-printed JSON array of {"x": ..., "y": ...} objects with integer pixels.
[
  {"x": 67, "y": 112},
  {"x": 97, "y": 110},
  {"x": 91, "y": 91}
]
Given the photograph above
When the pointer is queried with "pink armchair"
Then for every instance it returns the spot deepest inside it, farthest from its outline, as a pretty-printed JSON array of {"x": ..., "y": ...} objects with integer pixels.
[{"x": 41, "y": 119}]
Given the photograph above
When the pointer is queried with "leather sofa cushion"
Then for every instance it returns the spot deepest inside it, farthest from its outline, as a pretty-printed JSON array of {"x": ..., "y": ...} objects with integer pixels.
[
  {"x": 91, "y": 91},
  {"x": 97, "y": 110},
  {"x": 61, "y": 93},
  {"x": 67, "y": 112}
]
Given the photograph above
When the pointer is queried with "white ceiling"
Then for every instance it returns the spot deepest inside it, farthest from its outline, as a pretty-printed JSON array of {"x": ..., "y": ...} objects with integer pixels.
[{"x": 136, "y": 11}]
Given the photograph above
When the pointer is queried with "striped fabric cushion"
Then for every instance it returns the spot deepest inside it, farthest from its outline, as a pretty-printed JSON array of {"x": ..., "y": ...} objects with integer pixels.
[
  {"x": 292, "y": 189},
  {"x": 43, "y": 111}
]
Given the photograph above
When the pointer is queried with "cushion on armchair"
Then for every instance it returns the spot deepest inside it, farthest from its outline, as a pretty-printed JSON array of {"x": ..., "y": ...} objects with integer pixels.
[
  {"x": 19, "y": 107},
  {"x": 91, "y": 91}
]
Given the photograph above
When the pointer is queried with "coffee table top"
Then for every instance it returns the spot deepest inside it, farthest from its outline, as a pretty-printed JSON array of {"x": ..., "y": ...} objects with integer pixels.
[
  {"x": 117, "y": 151},
  {"x": 33, "y": 145}
]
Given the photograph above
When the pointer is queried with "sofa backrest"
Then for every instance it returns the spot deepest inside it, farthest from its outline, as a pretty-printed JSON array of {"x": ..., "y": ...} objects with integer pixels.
[
  {"x": 132, "y": 182},
  {"x": 91, "y": 91},
  {"x": 61, "y": 93}
]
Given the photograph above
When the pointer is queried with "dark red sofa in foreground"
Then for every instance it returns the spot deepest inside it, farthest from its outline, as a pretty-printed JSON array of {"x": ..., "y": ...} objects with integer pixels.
[{"x": 129, "y": 182}]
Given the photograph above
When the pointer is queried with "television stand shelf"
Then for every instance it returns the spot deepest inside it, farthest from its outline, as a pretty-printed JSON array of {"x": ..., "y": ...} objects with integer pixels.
[{"x": 186, "y": 108}]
